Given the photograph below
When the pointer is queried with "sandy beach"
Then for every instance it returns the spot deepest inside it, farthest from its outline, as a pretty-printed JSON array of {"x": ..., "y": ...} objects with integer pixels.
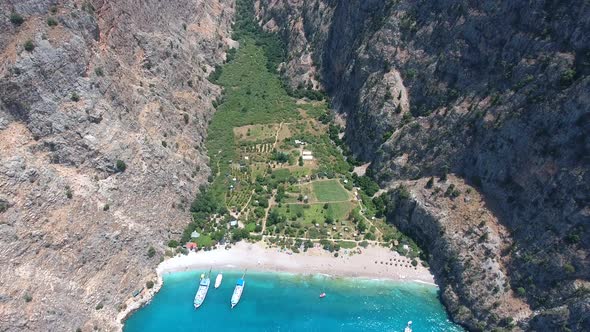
[{"x": 374, "y": 262}]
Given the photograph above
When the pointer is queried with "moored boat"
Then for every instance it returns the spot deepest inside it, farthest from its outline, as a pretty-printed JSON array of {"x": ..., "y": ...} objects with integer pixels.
[
  {"x": 235, "y": 298},
  {"x": 322, "y": 295},
  {"x": 218, "y": 280},
  {"x": 202, "y": 291}
]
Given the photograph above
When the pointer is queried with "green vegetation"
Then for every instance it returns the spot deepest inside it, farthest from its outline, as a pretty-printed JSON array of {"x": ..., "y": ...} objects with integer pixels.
[
  {"x": 3, "y": 206},
  {"x": 149, "y": 284},
  {"x": 99, "y": 306},
  {"x": 256, "y": 143},
  {"x": 16, "y": 19},
  {"x": 120, "y": 166},
  {"x": 28, "y": 298},
  {"x": 569, "y": 268},
  {"x": 327, "y": 191},
  {"x": 151, "y": 252},
  {"x": 29, "y": 46},
  {"x": 52, "y": 22},
  {"x": 368, "y": 185},
  {"x": 75, "y": 97},
  {"x": 172, "y": 243},
  {"x": 267, "y": 103},
  {"x": 99, "y": 71},
  {"x": 567, "y": 77},
  {"x": 69, "y": 194}
]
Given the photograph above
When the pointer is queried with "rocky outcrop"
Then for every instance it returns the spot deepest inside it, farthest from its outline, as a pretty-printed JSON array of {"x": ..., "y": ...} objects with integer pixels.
[
  {"x": 497, "y": 93},
  {"x": 103, "y": 112}
]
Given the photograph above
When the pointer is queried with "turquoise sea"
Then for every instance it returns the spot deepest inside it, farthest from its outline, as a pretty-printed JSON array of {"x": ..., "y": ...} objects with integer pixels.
[{"x": 288, "y": 302}]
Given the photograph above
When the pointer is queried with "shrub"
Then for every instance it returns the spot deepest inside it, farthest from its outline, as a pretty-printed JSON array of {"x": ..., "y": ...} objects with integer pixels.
[
  {"x": 75, "y": 97},
  {"x": 51, "y": 21},
  {"x": 430, "y": 183},
  {"x": 364, "y": 244},
  {"x": 149, "y": 284},
  {"x": 16, "y": 19},
  {"x": 99, "y": 306},
  {"x": 521, "y": 291},
  {"x": 567, "y": 77},
  {"x": 98, "y": 71},
  {"x": 569, "y": 268},
  {"x": 172, "y": 243},
  {"x": 403, "y": 192},
  {"x": 120, "y": 165},
  {"x": 69, "y": 192},
  {"x": 186, "y": 118},
  {"x": 29, "y": 46},
  {"x": 3, "y": 206},
  {"x": 452, "y": 191},
  {"x": 106, "y": 207},
  {"x": 414, "y": 262},
  {"x": 28, "y": 298},
  {"x": 151, "y": 252}
]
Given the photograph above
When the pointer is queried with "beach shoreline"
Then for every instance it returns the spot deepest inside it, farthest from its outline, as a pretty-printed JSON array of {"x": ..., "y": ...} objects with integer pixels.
[{"x": 374, "y": 263}]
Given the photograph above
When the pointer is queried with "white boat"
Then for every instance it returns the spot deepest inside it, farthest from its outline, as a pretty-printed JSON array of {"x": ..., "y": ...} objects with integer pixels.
[
  {"x": 235, "y": 298},
  {"x": 218, "y": 280},
  {"x": 408, "y": 327},
  {"x": 202, "y": 291}
]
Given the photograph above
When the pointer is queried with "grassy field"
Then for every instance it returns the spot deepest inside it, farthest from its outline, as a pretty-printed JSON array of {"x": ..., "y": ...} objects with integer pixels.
[
  {"x": 316, "y": 213},
  {"x": 328, "y": 191}
]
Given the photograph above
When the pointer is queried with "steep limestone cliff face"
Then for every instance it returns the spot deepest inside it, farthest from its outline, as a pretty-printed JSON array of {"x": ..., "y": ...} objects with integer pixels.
[
  {"x": 112, "y": 80},
  {"x": 497, "y": 93}
]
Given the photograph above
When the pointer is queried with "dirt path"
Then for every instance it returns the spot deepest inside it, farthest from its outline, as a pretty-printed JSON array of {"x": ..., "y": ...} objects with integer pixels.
[
  {"x": 271, "y": 202},
  {"x": 248, "y": 203},
  {"x": 277, "y": 136}
]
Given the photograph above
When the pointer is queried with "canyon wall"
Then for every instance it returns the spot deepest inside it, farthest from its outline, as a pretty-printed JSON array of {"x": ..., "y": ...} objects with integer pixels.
[
  {"x": 104, "y": 107},
  {"x": 496, "y": 93}
]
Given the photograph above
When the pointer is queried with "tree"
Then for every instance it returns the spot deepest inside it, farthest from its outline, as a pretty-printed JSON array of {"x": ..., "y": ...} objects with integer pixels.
[
  {"x": 361, "y": 226},
  {"x": 149, "y": 284},
  {"x": 172, "y": 243},
  {"x": 239, "y": 233}
]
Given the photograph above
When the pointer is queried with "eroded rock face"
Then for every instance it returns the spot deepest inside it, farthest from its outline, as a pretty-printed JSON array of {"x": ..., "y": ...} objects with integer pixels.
[
  {"x": 497, "y": 93},
  {"x": 113, "y": 80}
]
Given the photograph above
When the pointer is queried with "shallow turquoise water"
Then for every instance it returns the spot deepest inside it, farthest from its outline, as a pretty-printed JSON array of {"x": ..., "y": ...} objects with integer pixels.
[{"x": 287, "y": 302}]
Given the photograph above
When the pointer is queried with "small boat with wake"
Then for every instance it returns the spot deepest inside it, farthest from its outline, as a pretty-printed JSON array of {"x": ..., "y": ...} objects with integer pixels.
[
  {"x": 235, "y": 298},
  {"x": 322, "y": 295},
  {"x": 203, "y": 289},
  {"x": 218, "y": 280},
  {"x": 408, "y": 327}
]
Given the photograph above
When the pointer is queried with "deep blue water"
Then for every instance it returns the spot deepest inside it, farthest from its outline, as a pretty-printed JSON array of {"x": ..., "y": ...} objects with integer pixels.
[{"x": 287, "y": 302}]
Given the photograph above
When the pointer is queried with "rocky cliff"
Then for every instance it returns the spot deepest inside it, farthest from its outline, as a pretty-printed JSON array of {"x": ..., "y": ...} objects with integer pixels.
[
  {"x": 103, "y": 112},
  {"x": 497, "y": 93}
]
